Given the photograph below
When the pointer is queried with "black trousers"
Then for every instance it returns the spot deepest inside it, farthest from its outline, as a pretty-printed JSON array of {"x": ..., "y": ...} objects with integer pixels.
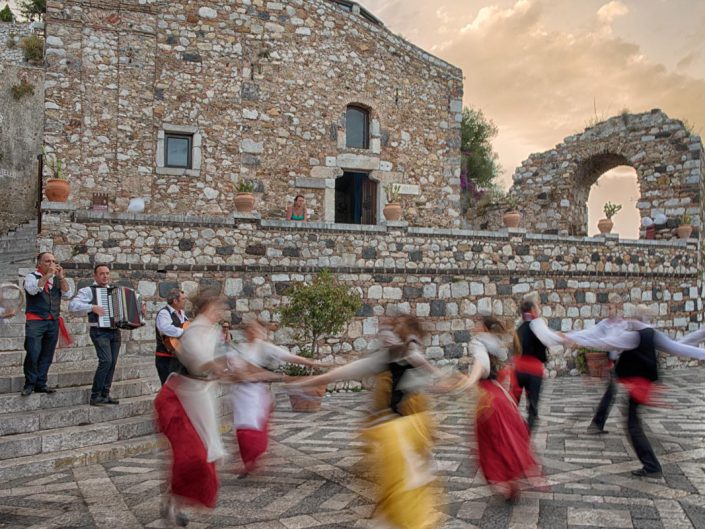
[
  {"x": 166, "y": 365},
  {"x": 640, "y": 443},
  {"x": 531, "y": 384},
  {"x": 605, "y": 406},
  {"x": 107, "y": 347}
]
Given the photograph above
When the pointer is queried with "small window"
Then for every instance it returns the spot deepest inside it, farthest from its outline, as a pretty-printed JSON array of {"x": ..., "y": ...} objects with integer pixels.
[
  {"x": 178, "y": 150},
  {"x": 357, "y": 128}
]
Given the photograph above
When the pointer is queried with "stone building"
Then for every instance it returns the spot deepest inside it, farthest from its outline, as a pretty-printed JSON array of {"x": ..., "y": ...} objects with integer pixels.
[{"x": 177, "y": 102}]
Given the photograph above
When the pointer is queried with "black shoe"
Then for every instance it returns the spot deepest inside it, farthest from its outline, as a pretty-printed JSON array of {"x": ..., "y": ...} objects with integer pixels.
[
  {"x": 26, "y": 391},
  {"x": 45, "y": 389},
  {"x": 98, "y": 401},
  {"x": 110, "y": 400},
  {"x": 643, "y": 473},
  {"x": 594, "y": 429}
]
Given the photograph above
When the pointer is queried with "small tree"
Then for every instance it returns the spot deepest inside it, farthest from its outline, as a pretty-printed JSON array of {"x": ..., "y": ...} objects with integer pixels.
[
  {"x": 32, "y": 9},
  {"x": 6, "y": 14},
  {"x": 319, "y": 309}
]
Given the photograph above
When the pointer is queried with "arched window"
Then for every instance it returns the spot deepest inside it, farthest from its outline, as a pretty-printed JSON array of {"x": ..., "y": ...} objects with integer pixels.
[
  {"x": 619, "y": 185},
  {"x": 357, "y": 127}
]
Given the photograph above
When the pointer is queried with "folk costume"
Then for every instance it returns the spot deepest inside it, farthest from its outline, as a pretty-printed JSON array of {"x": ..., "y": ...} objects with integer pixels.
[{"x": 169, "y": 323}]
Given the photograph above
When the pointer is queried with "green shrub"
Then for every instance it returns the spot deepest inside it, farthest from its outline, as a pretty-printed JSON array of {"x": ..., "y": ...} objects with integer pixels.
[
  {"x": 22, "y": 89},
  {"x": 33, "y": 48},
  {"x": 6, "y": 14},
  {"x": 11, "y": 40},
  {"x": 243, "y": 186}
]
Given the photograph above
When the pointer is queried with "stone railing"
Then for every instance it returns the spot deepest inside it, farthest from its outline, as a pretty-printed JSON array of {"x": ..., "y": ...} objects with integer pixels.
[{"x": 446, "y": 276}]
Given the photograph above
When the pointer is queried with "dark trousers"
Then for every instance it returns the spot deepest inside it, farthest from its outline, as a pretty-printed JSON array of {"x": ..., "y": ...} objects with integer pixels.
[
  {"x": 166, "y": 365},
  {"x": 531, "y": 384},
  {"x": 605, "y": 406},
  {"x": 640, "y": 443},
  {"x": 40, "y": 338},
  {"x": 107, "y": 346}
]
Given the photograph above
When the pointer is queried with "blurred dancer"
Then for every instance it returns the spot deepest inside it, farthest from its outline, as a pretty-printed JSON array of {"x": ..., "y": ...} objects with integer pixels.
[
  {"x": 186, "y": 411},
  {"x": 252, "y": 402},
  {"x": 503, "y": 443},
  {"x": 399, "y": 431}
]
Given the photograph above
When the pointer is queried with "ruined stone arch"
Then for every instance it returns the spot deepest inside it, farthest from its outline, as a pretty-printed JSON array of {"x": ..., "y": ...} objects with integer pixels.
[{"x": 554, "y": 185}]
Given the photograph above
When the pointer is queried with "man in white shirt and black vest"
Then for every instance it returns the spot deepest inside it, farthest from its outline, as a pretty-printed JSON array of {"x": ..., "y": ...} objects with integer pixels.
[
  {"x": 106, "y": 341},
  {"x": 170, "y": 323},
  {"x": 44, "y": 290}
]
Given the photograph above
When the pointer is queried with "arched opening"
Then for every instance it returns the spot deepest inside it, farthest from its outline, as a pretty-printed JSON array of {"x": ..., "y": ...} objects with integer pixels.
[
  {"x": 355, "y": 199},
  {"x": 620, "y": 186},
  {"x": 357, "y": 127}
]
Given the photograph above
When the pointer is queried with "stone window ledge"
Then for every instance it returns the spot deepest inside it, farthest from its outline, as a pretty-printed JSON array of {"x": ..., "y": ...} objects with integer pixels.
[{"x": 177, "y": 171}]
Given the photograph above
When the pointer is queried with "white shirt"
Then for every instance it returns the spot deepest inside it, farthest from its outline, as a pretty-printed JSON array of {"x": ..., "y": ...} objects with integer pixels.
[
  {"x": 542, "y": 331},
  {"x": 165, "y": 323},
  {"x": 607, "y": 326},
  {"x": 694, "y": 338},
  {"x": 31, "y": 285},
  {"x": 83, "y": 302}
]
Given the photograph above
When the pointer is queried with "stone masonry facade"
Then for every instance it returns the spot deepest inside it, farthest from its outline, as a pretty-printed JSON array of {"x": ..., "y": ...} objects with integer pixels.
[
  {"x": 553, "y": 187},
  {"x": 447, "y": 277},
  {"x": 263, "y": 87}
]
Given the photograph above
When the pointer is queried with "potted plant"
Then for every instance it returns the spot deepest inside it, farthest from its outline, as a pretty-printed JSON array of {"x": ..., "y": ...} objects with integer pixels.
[
  {"x": 685, "y": 228},
  {"x": 605, "y": 225},
  {"x": 392, "y": 211},
  {"x": 512, "y": 217},
  {"x": 591, "y": 362},
  {"x": 57, "y": 188},
  {"x": 316, "y": 311},
  {"x": 244, "y": 199}
]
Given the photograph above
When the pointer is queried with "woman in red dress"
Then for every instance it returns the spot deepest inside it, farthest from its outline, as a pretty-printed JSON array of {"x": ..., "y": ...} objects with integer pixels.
[{"x": 503, "y": 443}]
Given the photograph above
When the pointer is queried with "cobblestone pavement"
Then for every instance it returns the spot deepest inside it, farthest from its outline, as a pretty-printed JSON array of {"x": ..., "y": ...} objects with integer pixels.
[{"x": 314, "y": 477}]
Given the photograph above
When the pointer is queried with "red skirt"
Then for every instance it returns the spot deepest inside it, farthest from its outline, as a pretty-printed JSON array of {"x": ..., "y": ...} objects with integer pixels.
[
  {"x": 504, "y": 448},
  {"x": 253, "y": 444},
  {"x": 192, "y": 476},
  {"x": 642, "y": 390}
]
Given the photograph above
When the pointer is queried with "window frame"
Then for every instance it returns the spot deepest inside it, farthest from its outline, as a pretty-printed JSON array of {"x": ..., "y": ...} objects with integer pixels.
[
  {"x": 366, "y": 126},
  {"x": 180, "y": 136}
]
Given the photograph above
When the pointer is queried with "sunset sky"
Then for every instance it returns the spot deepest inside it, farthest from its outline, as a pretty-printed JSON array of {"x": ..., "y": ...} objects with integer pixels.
[{"x": 539, "y": 68}]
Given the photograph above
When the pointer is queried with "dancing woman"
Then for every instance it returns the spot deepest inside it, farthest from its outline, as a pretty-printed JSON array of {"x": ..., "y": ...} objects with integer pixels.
[
  {"x": 399, "y": 431},
  {"x": 504, "y": 447},
  {"x": 186, "y": 411},
  {"x": 252, "y": 401}
]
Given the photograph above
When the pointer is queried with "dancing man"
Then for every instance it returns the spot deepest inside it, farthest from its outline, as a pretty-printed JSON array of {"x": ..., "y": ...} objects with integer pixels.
[
  {"x": 531, "y": 341},
  {"x": 45, "y": 288},
  {"x": 106, "y": 340},
  {"x": 169, "y": 323}
]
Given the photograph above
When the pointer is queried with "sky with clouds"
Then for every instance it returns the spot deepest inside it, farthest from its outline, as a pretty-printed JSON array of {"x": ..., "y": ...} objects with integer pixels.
[{"x": 542, "y": 69}]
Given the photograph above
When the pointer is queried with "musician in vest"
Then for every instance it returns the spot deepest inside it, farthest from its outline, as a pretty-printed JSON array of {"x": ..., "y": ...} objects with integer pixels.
[
  {"x": 106, "y": 341},
  {"x": 44, "y": 290},
  {"x": 170, "y": 322},
  {"x": 531, "y": 341}
]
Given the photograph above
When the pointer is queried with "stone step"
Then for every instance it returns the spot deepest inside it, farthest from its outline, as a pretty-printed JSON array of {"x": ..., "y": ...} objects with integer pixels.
[
  {"x": 71, "y": 374},
  {"x": 75, "y": 396},
  {"x": 49, "y": 419},
  {"x": 58, "y": 461},
  {"x": 15, "y": 358}
]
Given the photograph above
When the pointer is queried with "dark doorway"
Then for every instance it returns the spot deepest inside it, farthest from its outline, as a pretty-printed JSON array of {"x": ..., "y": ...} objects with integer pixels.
[{"x": 355, "y": 199}]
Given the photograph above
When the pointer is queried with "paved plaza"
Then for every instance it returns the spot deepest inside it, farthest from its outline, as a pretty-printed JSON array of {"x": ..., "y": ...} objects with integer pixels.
[{"x": 314, "y": 475}]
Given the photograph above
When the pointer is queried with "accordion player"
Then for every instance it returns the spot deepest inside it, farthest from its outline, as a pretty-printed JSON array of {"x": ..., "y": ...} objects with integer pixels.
[{"x": 122, "y": 306}]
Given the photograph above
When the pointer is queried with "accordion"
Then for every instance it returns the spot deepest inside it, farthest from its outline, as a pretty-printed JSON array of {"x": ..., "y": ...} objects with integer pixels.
[{"x": 122, "y": 305}]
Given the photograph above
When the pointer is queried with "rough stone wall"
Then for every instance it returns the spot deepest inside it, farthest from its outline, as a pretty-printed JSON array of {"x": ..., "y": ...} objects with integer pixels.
[
  {"x": 21, "y": 131},
  {"x": 12, "y": 54},
  {"x": 447, "y": 277},
  {"x": 266, "y": 85},
  {"x": 553, "y": 187}
]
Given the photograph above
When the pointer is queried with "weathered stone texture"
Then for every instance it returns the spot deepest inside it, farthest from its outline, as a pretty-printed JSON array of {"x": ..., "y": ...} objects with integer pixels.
[
  {"x": 553, "y": 187},
  {"x": 449, "y": 287},
  {"x": 267, "y": 85}
]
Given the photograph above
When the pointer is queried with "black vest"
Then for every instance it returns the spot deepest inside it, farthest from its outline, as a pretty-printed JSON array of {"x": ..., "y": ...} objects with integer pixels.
[
  {"x": 640, "y": 362},
  {"x": 530, "y": 344},
  {"x": 45, "y": 304},
  {"x": 161, "y": 347}
]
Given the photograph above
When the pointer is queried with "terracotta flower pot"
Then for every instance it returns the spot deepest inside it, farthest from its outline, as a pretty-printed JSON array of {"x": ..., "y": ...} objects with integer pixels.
[
  {"x": 310, "y": 401},
  {"x": 244, "y": 202},
  {"x": 684, "y": 231},
  {"x": 605, "y": 225},
  {"x": 392, "y": 211},
  {"x": 57, "y": 190},
  {"x": 597, "y": 363},
  {"x": 511, "y": 219}
]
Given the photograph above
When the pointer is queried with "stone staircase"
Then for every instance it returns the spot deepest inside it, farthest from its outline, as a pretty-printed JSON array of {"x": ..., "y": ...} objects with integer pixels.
[
  {"x": 44, "y": 433},
  {"x": 18, "y": 248}
]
